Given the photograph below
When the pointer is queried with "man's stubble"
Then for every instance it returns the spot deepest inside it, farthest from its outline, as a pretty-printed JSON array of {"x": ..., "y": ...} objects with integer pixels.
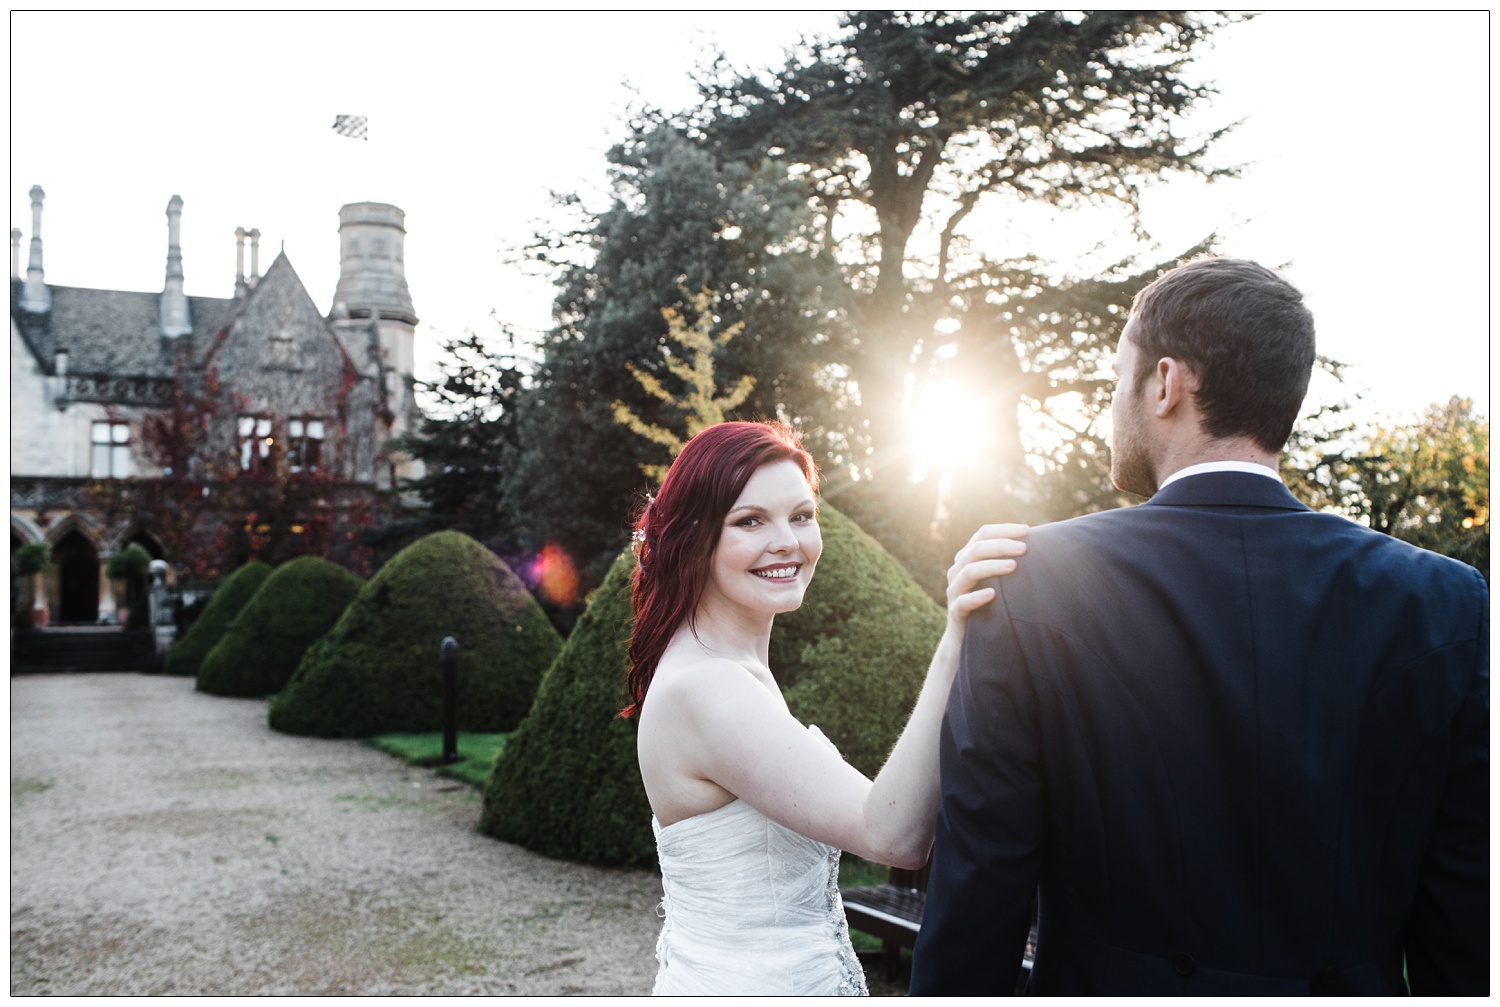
[{"x": 1130, "y": 466}]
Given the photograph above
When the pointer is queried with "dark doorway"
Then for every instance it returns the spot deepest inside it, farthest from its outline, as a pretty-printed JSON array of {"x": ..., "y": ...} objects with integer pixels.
[{"x": 78, "y": 573}]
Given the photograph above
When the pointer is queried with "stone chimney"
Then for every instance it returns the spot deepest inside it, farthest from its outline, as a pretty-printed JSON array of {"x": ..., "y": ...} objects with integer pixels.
[
  {"x": 174, "y": 305},
  {"x": 36, "y": 296},
  {"x": 241, "y": 288},
  {"x": 15, "y": 253},
  {"x": 254, "y": 255}
]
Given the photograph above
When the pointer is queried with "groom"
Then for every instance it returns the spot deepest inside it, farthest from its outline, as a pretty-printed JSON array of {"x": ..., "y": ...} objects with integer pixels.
[{"x": 1241, "y": 747}]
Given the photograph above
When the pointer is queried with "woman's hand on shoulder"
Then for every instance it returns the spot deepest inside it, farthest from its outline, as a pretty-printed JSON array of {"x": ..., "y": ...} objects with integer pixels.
[{"x": 990, "y": 552}]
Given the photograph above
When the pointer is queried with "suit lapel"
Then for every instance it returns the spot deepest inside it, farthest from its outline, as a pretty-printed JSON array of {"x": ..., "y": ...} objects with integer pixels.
[{"x": 1226, "y": 489}]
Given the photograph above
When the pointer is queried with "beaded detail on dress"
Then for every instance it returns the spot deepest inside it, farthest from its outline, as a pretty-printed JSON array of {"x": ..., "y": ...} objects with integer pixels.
[{"x": 851, "y": 973}]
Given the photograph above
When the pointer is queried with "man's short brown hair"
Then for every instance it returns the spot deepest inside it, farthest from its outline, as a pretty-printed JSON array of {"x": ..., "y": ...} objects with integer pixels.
[{"x": 1246, "y": 335}]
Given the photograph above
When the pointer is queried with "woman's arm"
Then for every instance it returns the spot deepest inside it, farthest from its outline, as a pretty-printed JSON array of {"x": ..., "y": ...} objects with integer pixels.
[
  {"x": 730, "y": 730},
  {"x": 901, "y": 807}
]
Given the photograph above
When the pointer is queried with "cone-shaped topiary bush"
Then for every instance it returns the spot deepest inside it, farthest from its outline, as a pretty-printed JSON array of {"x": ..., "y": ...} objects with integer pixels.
[
  {"x": 567, "y": 784},
  {"x": 296, "y": 604},
  {"x": 378, "y": 670},
  {"x": 851, "y": 660},
  {"x": 229, "y": 597}
]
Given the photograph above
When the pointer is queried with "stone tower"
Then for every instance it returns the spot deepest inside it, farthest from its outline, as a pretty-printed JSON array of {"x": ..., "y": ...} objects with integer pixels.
[{"x": 372, "y": 299}]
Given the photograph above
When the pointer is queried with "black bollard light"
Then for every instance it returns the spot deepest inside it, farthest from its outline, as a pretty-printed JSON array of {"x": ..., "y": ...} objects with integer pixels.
[{"x": 450, "y": 700}]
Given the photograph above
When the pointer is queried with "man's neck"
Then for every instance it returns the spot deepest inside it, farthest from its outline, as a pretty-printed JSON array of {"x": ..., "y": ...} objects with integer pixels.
[
  {"x": 1235, "y": 454},
  {"x": 1252, "y": 468}
]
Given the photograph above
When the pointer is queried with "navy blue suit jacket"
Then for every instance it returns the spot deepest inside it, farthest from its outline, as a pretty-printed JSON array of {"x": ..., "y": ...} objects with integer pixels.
[{"x": 1240, "y": 747}]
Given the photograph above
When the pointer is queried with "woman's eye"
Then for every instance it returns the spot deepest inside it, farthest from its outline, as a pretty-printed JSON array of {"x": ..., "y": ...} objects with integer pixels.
[
  {"x": 747, "y": 522},
  {"x": 804, "y": 517}
]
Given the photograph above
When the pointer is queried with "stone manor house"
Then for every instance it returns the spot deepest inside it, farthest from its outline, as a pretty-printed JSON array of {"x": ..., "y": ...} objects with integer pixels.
[{"x": 316, "y": 396}]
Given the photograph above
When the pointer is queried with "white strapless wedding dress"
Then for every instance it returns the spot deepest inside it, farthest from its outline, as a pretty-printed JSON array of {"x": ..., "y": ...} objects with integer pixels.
[{"x": 750, "y": 907}]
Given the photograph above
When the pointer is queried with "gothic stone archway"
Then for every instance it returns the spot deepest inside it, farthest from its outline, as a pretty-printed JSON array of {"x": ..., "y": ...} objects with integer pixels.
[{"x": 77, "y": 564}]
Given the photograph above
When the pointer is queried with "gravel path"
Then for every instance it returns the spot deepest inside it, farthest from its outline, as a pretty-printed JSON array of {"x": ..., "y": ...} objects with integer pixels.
[{"x": 163, "y": 841}]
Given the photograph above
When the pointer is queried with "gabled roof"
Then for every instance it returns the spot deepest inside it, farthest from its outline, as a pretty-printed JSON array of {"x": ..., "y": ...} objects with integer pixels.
[
  {"x": 284, "y": 288},
  {"x": 116, "y": 332}
]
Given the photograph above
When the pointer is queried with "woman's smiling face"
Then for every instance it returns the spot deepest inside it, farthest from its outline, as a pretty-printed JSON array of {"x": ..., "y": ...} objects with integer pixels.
[{"x": 769, "y": 543}]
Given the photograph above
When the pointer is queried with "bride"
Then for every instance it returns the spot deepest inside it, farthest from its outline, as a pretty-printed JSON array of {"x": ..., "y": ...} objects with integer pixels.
[{"x": 751, "y": 808}]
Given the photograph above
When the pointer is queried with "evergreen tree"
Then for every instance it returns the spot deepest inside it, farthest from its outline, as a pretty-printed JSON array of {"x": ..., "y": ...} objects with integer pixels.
[
  {"x": 679, "y": 221},
  {"x": 701, "y": 403},
  {"x": 903, "y": 126},
  {"x": 466, "y": 435},
  {"x": 827, "y": 204},
  {"x": 909, "y": 121}
]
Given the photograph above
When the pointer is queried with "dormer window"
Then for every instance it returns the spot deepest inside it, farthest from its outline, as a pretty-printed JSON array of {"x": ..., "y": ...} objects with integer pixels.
[
  {"x": 111, "y": 450},
  {"x": 304, "y": 447},
  {"x": 283, "y": 351}
]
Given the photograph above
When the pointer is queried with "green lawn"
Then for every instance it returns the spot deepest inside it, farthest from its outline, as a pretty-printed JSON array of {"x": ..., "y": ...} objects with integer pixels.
[{"x": 476, "y": 753}]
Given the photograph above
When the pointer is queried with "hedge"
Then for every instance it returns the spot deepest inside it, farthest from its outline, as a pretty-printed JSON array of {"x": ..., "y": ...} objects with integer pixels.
[
  {"x": 298, "y": 603},
  {"x": 232, "y": 594},
  {"x": 567, "y": 784},
  {"x": 378, "y": 670},
  {"x": 850, "y": 660}
]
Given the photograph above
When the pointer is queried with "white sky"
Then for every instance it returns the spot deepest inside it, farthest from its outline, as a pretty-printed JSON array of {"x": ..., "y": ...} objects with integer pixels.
[{"x": 1366, "y": 136}]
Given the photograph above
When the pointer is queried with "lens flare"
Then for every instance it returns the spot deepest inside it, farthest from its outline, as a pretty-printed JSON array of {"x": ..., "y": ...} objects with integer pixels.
[{"x": 556, "y": 577}]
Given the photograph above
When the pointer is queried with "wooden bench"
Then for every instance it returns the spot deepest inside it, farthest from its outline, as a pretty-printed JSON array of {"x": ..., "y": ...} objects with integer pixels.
[{"x": 893, "y": 913}]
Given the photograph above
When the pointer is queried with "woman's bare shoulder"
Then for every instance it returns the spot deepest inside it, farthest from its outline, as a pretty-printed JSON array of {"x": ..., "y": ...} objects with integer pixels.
[
  {"x": 695, "y": 721},
  {"x": 699, "y": 685}
]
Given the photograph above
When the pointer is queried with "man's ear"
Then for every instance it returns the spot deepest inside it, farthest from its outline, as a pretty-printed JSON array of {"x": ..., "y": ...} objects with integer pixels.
[{"x": 1173, "y": 386}]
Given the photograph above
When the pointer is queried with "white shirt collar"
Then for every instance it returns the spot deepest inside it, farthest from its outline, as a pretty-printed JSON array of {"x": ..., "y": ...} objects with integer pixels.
[{"x": 1224, "y": 466}]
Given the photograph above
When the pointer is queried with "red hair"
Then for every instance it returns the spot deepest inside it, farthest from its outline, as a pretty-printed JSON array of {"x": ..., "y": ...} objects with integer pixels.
[{"x": 677, "y": 532}]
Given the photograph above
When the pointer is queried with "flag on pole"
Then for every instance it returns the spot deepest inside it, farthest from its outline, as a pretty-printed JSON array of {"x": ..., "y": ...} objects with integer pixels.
[{"x": 351, "y": 126}]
